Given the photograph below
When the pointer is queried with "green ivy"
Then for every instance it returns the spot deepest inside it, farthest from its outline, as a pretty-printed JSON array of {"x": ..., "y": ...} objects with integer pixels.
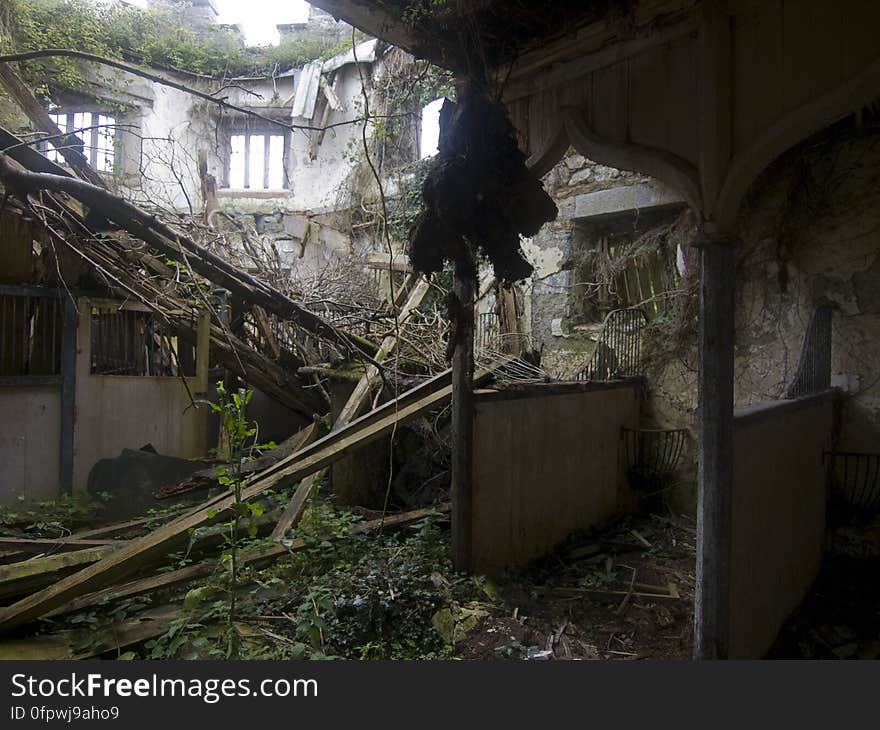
[{"x": 157, "y": 36}]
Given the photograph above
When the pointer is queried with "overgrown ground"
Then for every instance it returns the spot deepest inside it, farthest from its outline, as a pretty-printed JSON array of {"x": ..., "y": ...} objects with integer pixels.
[{"x": 624, "y": 593}]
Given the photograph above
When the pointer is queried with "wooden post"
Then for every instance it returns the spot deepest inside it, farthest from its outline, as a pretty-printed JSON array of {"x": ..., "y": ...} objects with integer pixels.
[
  {"x": 464, "y": 284},
  {"x": 203, "y": 351},
  {"x": 69, "y": 322},
  {"x": 716, "y": 335}
]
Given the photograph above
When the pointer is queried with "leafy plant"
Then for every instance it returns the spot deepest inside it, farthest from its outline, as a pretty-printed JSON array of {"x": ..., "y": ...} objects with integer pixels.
[{"x": 239, "y": 440}]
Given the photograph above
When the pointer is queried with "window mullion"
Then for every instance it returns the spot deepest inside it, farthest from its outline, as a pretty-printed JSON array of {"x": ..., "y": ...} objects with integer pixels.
[
  {"x": 266, "y": 139},
  {"x": 247, "y": 159}
]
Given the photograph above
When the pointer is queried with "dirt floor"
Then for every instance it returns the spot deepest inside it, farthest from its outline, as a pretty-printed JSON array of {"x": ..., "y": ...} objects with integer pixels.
[{"x": 625, "y": 593}]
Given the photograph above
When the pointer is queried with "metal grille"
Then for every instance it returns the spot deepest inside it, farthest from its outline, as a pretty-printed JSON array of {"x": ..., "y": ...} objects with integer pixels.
[
  {"x": 813, "y": 373},
  {"x": 855, "y": 477},
  {"x": 30, "y": 335},
  {"x": 487, "y": 335},
  {"x": 130, "y": 342},
  {"x": 618, "y": 353},
  {"x": 652, "y": 455}
]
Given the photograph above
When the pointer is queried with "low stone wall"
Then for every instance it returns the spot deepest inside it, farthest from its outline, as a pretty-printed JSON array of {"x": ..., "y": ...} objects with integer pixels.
[
  {"x": 547, "y": 462},
  {"x": 778, "y": 515}
]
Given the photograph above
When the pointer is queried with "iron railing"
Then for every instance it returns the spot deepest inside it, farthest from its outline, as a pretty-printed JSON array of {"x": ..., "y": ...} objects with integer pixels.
[
  {"x": 618, "y": 353},
  {"x": 813, "y": 374}
]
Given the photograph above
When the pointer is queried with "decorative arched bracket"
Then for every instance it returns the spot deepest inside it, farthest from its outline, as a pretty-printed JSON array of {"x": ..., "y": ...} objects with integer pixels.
[
  {"x": 550, "y": 153},
  {"x": 788, "y": 131},
  {"x": 667, "y": 167}
]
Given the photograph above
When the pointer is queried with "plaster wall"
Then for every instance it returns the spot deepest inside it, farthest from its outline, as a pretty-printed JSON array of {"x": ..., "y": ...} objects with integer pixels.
[
  {"x": 117, "y": 412},
  {"x": 30, "y": 442}
]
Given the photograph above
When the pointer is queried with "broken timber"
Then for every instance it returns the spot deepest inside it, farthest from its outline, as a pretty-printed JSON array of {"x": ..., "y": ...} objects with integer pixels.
[
  {"x": 67, "y": 145},
  {"x": 297, "y": 505},
  {"x": 205, "y": 478},
  {"x": 358, "y": 397},
  {"x": 142, "y": 551},
  {"x": 176, "y": 246}
]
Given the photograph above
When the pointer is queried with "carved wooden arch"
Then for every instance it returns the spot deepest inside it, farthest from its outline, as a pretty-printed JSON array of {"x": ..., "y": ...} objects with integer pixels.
[
  {"x": 787, "y": 132},
  {"x": 669, "y": 168},
  {"x": 550, "y": 152}
]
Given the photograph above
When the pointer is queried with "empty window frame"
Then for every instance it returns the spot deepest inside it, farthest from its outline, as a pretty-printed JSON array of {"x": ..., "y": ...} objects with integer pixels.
[
  {"x": 98, "y": 135},
  {"x": 131, "y": 342},
  {"x": 430, "y": 129},
  {"x": 256, "y": 160},
  {"x": 30, "y": 335}
]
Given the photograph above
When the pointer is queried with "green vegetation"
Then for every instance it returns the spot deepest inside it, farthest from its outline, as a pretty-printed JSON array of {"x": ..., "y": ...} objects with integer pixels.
[
  {"x": 153, "y": 37},
  {"x": 354, "y": 596},
  {"x": 49, "y": 518},
  {"x": 346, "y": 595}
]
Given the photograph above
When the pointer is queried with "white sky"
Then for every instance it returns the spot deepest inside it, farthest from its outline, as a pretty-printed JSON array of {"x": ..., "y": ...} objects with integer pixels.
[{"x": 258, "y": 17}]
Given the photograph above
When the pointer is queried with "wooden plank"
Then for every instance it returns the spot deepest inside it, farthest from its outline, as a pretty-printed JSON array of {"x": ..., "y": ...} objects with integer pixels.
[
  {"x": 610, "y": 108},
  {"x": 19, "y": 578},
  {"x": 297, "y": 506},
  {"x": 384, "y": 262},
  {"x": 647, "y": 100},
  {"x": 205, "y": 478},
  {"x": 361, "y": 391},
  {"x": 143, "y": 551},
  {"x": 113, "y": 529},
  {"x": 62, "y": 645},
  {"x": 38, "y": 545}
]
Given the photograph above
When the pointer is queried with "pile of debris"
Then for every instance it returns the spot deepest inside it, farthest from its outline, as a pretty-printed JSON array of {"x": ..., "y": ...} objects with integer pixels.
[
  {"x": 126, "y": 252},
  {"x": 96, "y": 566}
]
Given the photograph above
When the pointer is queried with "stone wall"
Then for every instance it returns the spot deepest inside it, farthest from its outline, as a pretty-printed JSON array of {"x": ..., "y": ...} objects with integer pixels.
[
  {"x": 319, "y": 25},
  {"x": 810, "y": 233},
  {"x": 549, "y": 294}
]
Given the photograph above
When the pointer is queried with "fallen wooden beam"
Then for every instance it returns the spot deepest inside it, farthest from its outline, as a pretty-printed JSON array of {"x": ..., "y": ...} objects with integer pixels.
[
  {"x": 22, "y": 577},
  {"x": 206, "y": 478},
  {"x": 144, "y": 550},
  {"x": 297, "y": 505},
  {"x": 361, "y": 391},
  {"x": 64, "y": 644},
  {"x": 179, "y": 247},
  {"x": 68, "y": 145},
  {"x": 155, "y": 622},
  {"x": 384, "y": 262},
  {"x": 254, "y": 557},
  {"x": 42, "y": 544}
]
